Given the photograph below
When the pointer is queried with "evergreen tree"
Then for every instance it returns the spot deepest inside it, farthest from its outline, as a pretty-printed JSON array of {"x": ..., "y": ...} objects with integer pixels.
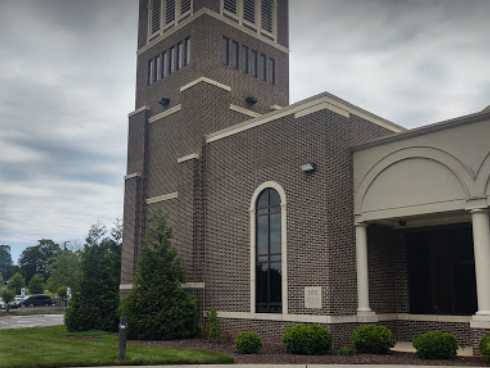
[
  {"x": 158, "y": 307},
  {"x": 95, "y": 305}
]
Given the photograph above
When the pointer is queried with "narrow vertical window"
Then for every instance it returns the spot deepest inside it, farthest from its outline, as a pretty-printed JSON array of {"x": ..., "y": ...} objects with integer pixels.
[
  {"x": 263, "y": 67},
  {"x": 254, "y": 63},
  {"x": 249, "y": 11},
  {"x": 272, "y": 70},
  {"x": 235, "y": 55},
  {"x": 150, "y": 72},
  {"x": 180, "y": 55},
  {"x": 268, "y": 252},
  {"x": 230, "y": 6},
  {"x": 171, "y": 68},
  {"x": 245, "y": 62},
  {"x": 169, "y": 11},
  {"x": 187, "y": 56},
  {"x": 158, "y": 61},
  {"x": 226, "y": 56},
  {"x": 165, "y": 64},
  {"x": 267, "y": 15}
]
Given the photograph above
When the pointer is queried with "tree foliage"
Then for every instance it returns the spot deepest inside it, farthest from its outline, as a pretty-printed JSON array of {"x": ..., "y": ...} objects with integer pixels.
[
  {"x": 8, "y": 296},
  {"x": 16, "y": 282},
  {"x": 36, "y": 259},
  {"x": 65, "y": 270},
  {"x": 95, "y": 305},
  {"x": 6, "y": 262},
  {"x": 158, "y": 307},
  {"x": 36, "y": 285}
]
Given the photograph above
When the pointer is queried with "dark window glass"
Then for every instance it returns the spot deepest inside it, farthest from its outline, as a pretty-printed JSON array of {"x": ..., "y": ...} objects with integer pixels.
[
  {"x": 187, "y": 58},
  {"x": 226, "y": 49},
  {"x": 235, "y": 55},
  {"x": 272, "y": 70},
  {"x": 245, "y": 63},
  {"x": 254, "y": 63},
  {"x": 268, "y": 252},
  {"x": 263, "y": 67}
]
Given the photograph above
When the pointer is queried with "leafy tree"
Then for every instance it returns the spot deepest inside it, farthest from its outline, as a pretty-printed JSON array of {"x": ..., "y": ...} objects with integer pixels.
[
  {"x": 5, "y": 262},
  {"x": 36, "y": 259},
  {"x": 8, "y": 295},
  {"x": 63, "y": 294},
  {"x": 36, "y": 285},
  {"x": 65, "y": 270},
  {"x": 95, "y": 305},
  {"x": 158, "y": 307},
  {"x": 16, "y": 282}
]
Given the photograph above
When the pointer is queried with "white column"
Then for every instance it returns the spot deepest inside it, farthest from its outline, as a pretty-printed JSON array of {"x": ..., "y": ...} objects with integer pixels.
[
  {"x": 481, "y": 243},
  {"x": 362, "y": 270}
]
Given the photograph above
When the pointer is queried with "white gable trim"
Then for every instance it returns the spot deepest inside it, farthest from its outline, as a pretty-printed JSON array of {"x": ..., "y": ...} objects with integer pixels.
[
  {"x": 244, "y": 111},
  {"x": 192, "y": 156},
  {"x": 205, "y": 80},
  {"x": 164, "y": 197},
  {"x": 165, "y": 113}
]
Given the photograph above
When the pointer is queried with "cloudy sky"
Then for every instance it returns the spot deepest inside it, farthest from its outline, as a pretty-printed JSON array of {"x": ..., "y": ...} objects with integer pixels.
[{"x": 67, "y": 72}]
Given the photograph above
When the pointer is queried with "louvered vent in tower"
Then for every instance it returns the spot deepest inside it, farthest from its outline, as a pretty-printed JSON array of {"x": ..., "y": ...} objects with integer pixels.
[
  {"x": 267, "y": 15},
  {"x": 169, "y": 11},
  {"x": 230, "y": 6},
  {"x": 249, "y": 10},
  {"x": 155, "y": 15},
  {"x": 185, "y": 6}
]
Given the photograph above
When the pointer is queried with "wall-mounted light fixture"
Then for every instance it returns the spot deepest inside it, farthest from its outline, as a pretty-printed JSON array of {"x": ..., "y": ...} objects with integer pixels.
[
  {"x": 308, "y": 167},
  {"x": 251, "y": 100},
  {"x": 164, "y": 101}
]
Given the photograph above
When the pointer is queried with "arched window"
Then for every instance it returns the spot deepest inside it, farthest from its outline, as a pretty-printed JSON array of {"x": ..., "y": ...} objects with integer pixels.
[{"x": 268, "y": 252}]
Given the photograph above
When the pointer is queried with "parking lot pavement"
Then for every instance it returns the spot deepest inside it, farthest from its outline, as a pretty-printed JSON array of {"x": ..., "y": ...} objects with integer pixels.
[{"x": 40, "y": 320}]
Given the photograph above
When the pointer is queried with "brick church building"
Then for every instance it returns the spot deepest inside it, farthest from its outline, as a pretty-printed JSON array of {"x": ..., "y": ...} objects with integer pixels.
[{"x": 315, "y": 212}]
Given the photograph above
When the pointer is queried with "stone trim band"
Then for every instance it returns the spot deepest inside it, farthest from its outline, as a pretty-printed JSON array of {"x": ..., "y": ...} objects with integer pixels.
[
  {"x": 192, "y": 156},
  {"x": 205, "y": 80},
  {"x": 165, "y": 113},
  {"x": 164, "y": 197}
]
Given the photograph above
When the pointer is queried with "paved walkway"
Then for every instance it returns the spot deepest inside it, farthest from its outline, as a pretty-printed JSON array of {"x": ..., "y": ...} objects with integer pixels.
[{"x": 38, "y": 320}]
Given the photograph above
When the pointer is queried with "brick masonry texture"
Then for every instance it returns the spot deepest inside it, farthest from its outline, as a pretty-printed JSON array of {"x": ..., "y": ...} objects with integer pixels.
[{"x": 210, "y": 217}]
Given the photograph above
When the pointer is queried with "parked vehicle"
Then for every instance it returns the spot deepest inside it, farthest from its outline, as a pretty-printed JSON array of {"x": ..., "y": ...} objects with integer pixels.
[
  {"x": 2, "y": 304},
  {"x": 37, "y": 300}
]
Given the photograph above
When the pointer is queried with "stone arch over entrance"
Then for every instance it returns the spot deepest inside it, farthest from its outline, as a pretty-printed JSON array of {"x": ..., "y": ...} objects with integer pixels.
[{"x": 414, "y": 176}]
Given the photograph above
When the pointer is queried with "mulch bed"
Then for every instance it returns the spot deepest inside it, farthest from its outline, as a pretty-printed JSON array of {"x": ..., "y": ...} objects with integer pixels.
[{"x": 275, "y": 354}]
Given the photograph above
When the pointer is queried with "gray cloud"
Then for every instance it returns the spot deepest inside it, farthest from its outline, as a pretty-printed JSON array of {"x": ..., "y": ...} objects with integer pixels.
[{"x": 67, "y": 71}]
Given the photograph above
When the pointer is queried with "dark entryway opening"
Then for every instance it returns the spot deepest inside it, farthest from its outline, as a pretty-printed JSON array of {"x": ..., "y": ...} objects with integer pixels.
[{"x": 441, "y": 269}]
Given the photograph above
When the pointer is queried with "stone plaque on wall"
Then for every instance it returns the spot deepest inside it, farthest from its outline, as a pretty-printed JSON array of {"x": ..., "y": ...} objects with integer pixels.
[{"x": 313, "y": 297}]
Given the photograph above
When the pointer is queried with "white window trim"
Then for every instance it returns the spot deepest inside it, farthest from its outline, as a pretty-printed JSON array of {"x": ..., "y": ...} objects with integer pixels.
[
  {"x": 258, "y": 17},
  {"x": 284, "y": 259}
]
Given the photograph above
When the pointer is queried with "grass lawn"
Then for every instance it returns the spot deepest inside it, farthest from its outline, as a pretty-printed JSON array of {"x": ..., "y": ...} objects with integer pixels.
[{"x": 56, "y": 347}]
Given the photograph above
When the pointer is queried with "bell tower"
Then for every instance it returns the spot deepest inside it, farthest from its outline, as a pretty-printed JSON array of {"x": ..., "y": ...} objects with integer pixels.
[{"x": 202, "y": 66}]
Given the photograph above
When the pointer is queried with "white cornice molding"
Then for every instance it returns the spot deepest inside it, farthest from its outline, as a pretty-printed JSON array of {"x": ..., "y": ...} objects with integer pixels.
[
  {"x": 124, "y": 287},
  {"x": 165, "y": 113},
  {"x": 193, "y": 156},
  {"x": 244, "y": 111},
  {"x": 136, "y": 112},
  {"x": 164, "y": 197},
  {"x": 133, "y": 175},
  {"x": 205, "y": 80},
  {"x": 276, "y": 107},
  {"x": 211, "y": 13},
  {"x": 193, "y": 285},
  {"x": 303, "y": 109},
  {"x": 310, "y": 318}
]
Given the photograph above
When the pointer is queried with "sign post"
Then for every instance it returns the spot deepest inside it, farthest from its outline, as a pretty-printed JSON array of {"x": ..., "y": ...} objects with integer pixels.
[{"x": 122, "y": 339}]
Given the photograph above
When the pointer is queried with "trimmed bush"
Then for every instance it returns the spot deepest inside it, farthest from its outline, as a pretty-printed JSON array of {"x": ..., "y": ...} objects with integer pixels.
[
  {"x": 436, "y": 345},
  {"x": 345, "y": 351},
  {"x": 248, "y": 343},
  {"x": 373, "y": 339},
  {"x": 485, "y": 347},
  {"x": 213, "y": 329},
  {"x": 307, "y": 340}
]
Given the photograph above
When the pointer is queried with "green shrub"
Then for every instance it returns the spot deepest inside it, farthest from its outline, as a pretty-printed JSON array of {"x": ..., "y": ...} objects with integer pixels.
[
  {"x": 307, "y": 340},
  {"x": 436, "y": 345},
  {"x": 158, "y": 308},
  {"x": 485, "y": 347},
  {"x": 372, "y": 339},
  {"x": 213, "y": 329},
  {"x": 345, "y": 351},
  {"x": 248, "y": 343}
]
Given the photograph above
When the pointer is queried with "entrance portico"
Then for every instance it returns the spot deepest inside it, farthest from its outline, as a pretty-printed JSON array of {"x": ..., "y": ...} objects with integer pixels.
[{"x": 434, "y": 176}]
